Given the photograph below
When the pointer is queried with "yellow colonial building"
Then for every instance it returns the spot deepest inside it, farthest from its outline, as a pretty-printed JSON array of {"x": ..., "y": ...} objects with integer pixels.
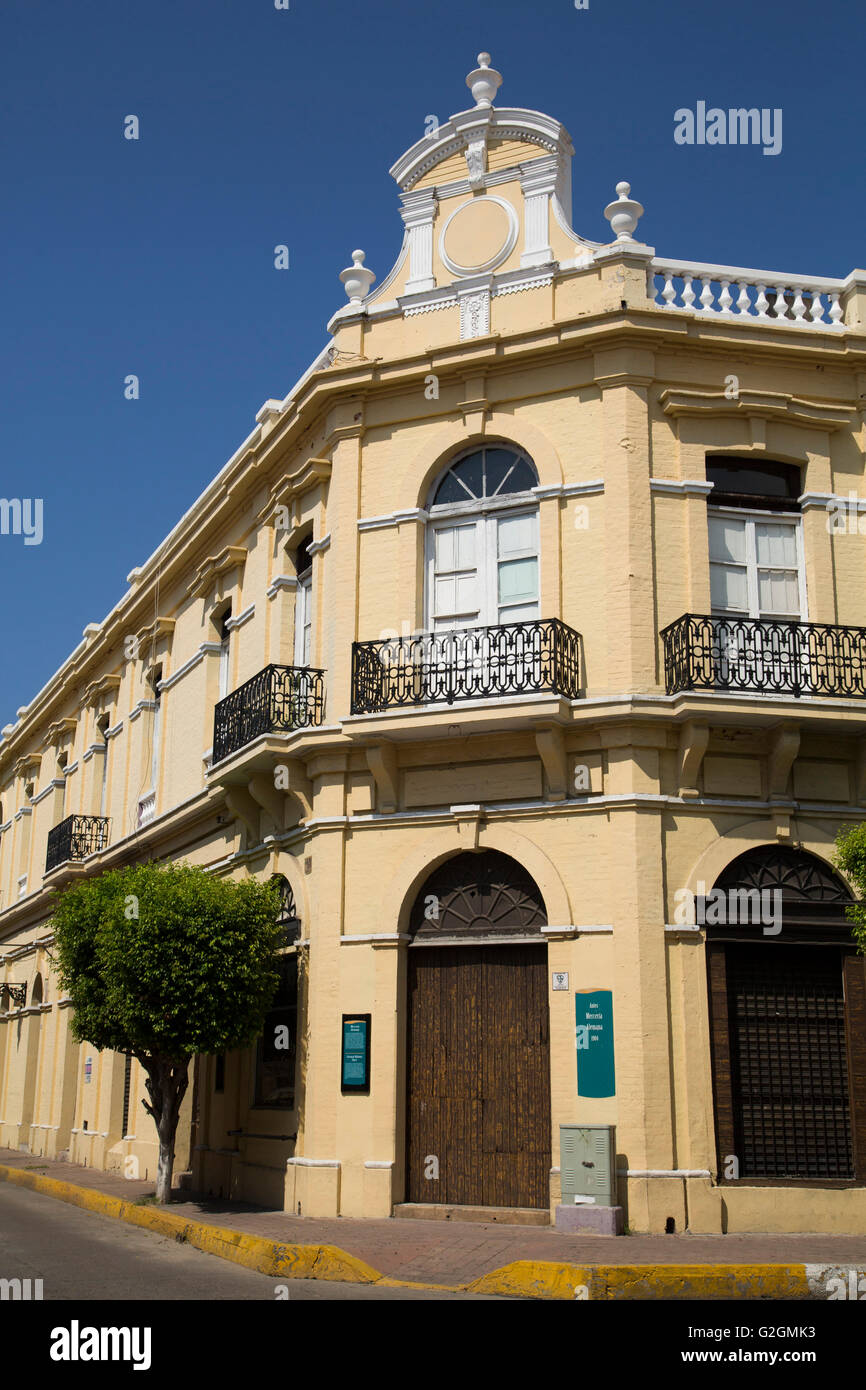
[{"x": 525, "y": 640}]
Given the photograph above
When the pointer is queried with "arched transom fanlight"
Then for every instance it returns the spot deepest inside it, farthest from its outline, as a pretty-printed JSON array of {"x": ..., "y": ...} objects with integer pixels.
[
  {"x": 800, "y": 876},
  {"x": 495, "y": 471},
  {"x": 288, "y": 918},
  {"x": 478, "y": 897}
]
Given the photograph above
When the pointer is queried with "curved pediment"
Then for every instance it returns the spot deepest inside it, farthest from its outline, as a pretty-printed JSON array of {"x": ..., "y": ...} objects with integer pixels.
[{"x": 478, "y": 142}]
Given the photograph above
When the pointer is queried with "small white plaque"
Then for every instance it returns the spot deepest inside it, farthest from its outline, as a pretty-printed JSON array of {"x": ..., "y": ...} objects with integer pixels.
[{"x": 560, "y": 979}]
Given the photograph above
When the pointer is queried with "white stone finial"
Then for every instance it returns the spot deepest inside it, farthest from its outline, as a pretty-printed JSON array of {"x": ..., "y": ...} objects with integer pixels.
[
  {"x": 624, "y": 213},
  {"x": 357, "y": 279},
  {"x": 484, "y": 82}
]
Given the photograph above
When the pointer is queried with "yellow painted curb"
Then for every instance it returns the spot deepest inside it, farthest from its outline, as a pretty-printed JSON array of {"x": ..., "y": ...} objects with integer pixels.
[
  {"x": 534, "y": 1279},
  {"x": 276, "y": 1258},
  {"x": 520, "y": 1279}
]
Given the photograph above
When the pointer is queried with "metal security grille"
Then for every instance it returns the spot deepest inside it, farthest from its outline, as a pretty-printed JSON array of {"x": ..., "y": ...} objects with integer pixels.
[
  {"x": 789, "y": 1066},
  {"x": 127, "y": 1076}
]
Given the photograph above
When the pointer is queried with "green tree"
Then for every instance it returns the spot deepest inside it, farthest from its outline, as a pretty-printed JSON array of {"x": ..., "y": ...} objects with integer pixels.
[
  {"x": 166, "y": 962},
  {"x": 851, "y": 859}
]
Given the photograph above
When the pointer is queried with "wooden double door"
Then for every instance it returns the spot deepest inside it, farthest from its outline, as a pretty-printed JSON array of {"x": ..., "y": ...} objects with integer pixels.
[{"x": 478, "y": 1076}]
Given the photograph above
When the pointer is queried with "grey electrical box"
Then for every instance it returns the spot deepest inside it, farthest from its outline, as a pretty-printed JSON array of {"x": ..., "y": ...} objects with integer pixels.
[{"x": 587, "y": 1164}]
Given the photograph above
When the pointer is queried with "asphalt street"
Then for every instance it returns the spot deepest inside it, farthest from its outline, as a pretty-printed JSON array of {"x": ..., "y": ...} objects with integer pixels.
[{"x": 82, "y": 1255}]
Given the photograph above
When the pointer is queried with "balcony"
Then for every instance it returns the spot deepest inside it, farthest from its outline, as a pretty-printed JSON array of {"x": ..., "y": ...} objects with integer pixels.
[
  {"x": 768, "y": 656},
  {"x": 473, "y": 663},
  {"x": 276, "y": 701},
  {"x": 76, "y": 837}
]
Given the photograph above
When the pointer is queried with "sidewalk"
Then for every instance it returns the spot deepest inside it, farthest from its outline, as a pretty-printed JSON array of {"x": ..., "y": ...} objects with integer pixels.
[{"x": 456, "y": 1254}]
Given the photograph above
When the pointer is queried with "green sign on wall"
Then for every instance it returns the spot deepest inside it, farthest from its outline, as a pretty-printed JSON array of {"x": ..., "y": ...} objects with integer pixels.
[
  {"x": 356, "y": 1052},
  {"x": 594, "y": 1037}
]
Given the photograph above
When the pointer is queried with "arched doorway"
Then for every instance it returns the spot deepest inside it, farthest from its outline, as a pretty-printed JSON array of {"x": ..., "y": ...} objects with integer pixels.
[
  {"x": 788, "y": 1018},
  {"x": 478, "y": 1065}
]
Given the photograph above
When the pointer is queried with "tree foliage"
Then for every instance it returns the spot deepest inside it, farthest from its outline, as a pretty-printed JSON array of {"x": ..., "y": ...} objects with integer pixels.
[
  {"x": 851, "y": 859},
  {"x": 167, "y": 959}
]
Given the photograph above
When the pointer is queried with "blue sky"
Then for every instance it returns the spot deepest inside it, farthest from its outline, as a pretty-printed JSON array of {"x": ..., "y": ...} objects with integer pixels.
[{"x": 261, "y": 127}]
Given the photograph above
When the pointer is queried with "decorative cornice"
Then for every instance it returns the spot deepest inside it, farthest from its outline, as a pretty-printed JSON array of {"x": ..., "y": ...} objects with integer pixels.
[
  {"x": 60, "y": 730},
  {"x": 29, "y": 763},
  {"x": 768, "y": 405},
  {"x": 480, "y": 126},
  {"x": 532, "y": 282},
  {"x": 232, "y": 557},
  {"x": 310, "y": 474},
  {"x": 147, "y": 637},
  {"x": 320, "y": 546},
  {"x": 104, "y": 688},
  {"x": 433, "y": 300}
]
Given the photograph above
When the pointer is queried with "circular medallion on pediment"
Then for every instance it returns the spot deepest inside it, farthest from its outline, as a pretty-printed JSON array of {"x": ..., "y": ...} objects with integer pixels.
[{"x": 478, "y": 236}]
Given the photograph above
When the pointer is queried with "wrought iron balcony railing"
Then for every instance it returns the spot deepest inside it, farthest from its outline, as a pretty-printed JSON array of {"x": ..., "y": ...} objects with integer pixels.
[
  {"x": 470, "y": 663},
  {"x": 277, "y": 700},
  {"x": 770, "y": 656},
  {"x": 75, "y": 838}
]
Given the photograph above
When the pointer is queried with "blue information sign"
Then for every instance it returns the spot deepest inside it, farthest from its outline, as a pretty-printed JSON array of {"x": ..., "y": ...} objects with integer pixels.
[
  {"x": 356, "y": 1052},
  {"x": 594, "y": 1036}
]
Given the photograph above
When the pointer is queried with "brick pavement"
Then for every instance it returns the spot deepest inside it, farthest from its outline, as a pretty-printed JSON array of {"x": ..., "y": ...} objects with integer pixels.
[{"x": 456, "y": 1252}]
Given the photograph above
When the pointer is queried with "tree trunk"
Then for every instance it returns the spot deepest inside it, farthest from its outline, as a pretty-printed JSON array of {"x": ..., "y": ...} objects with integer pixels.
[{"x": 166, "y": 1085}]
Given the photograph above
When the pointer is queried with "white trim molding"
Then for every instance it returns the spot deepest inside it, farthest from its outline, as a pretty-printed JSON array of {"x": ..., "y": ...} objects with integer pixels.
[
  {"x": 204, "y": 650},
  {"x": 688, "y": 487},
  {"x": 282, "y": 581},
  {"x": 377, "y": 523},
  {"x": 233, "y": 623},
  {"x": 313, "y": 1162},
  {"x": 139, "y": 709},
  {"x": 568, "y": 489}
]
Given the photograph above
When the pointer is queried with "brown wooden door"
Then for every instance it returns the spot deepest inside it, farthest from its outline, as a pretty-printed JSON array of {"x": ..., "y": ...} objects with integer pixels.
[{"x": 479, "y": 1076}]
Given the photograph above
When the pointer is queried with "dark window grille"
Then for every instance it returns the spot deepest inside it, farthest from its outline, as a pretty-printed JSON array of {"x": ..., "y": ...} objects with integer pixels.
[
  {"x": 277, "y": 700},
  {"x": 780, "y": 657},
  {"x": 789, "y": 1063},
  {"x": 127, "y": 1077},
  {"x": 275, "y": 1067},
  {"x": 473, "y": 663},
  {"x": 75, "y": 838}
]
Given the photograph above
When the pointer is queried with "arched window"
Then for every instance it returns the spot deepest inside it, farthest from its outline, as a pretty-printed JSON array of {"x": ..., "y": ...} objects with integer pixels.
[
  {"x": 787, "y": 996},
  {"x": 482, "y": 557},
  {"x": 288, "y": 918},
  {"x": 36, "y": 992}
]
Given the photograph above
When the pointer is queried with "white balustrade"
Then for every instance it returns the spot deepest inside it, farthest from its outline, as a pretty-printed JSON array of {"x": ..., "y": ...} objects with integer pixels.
[{"x": 731, "y": 292}]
